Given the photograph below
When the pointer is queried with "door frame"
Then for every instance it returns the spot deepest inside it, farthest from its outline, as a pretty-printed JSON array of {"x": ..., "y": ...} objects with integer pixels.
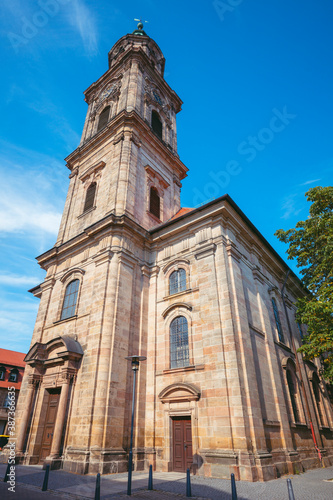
[
  {"x": 186, "y": 418},
  {"x": 48, "y": 393}
]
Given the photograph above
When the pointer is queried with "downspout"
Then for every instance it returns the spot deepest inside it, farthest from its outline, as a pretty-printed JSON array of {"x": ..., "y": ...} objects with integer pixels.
[{"x": 299, "y": 370}]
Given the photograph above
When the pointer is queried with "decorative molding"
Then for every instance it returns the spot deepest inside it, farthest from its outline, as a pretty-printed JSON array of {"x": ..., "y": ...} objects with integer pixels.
[
  {"x": 175, "y": 263},
  {"x": 233, "y": 251},
  {"x": 174, "y": 306},
  {"x": 119, "y": 137},
  {"x": 92, "y": 170},
  {"x": 179, "y": 392},
  {"x": 68, "y": 273},
  {"x": 102, "y": 257},
  {"x": 205, "y": 251},
  {"x": 153, "y": 174}
]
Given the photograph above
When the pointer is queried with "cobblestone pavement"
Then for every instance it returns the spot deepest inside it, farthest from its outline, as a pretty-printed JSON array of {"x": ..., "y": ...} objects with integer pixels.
[{"x": 312, "y": 485}]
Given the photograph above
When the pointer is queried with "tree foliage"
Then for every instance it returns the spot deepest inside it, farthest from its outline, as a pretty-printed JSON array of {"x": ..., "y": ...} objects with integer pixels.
[{"x": 311, "y": 244}]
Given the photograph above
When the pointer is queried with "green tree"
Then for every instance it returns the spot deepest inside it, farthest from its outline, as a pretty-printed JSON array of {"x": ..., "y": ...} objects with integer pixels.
[{"x": 311, "y": 244}]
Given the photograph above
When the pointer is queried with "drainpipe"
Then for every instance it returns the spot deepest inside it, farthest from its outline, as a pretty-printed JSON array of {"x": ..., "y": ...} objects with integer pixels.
[{"x": 299, "y": 370}]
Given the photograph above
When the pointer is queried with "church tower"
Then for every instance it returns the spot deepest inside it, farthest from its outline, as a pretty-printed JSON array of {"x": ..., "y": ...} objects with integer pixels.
[{"x": 125, "y": 178}]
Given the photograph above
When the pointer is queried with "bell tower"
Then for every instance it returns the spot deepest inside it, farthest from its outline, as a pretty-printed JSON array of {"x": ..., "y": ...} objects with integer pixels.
[{"x": 127, "y": 161}]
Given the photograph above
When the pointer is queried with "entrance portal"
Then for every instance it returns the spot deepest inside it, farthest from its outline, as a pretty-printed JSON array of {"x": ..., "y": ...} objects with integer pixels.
[
  {"x": 51, "y": 415},
  {"x": 182, "y": 443}
]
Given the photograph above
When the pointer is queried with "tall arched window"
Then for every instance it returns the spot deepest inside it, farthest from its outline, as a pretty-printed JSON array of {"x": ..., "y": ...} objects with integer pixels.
[
  {"x": 156, "y": 123},
  {"x": 90, "y": 197},
  {"x": 179, "y": 351},
  {"x": 277, "y": 321},
  {"x": 154, "y": 203},
  {"x": 69, "y": 305},
  {"x": 316, "y": 392},
  {"x": 103, "y": 118},
  {"x": 177, "y": 281},
  {"x": 292, "y": 393}
]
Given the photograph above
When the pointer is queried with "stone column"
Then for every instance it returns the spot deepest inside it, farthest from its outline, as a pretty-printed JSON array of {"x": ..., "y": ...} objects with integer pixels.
[
  {"x": 61, "y": 414},
  {"x": 33, "y": 381}
]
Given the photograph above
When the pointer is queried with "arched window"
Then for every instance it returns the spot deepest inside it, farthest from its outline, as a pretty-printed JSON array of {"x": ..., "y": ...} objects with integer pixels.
[
  {"x": 277, "y": 321},
  {"x": 316, "y": 392},
  {"x": 177, "y": 281},
  {"x": 2, "y": 372},
  {"x": 156, "y": 123},
  {"x": 103, "y": 118},
  {"x": 292, "y": 393},
  {"x": 90, "y": 197},
  {"x": 179, "y": 351},
  {"x": 69, "y": 305},
  {"x": 13, "y": 376},
  {"x": 154, "y": 202}
]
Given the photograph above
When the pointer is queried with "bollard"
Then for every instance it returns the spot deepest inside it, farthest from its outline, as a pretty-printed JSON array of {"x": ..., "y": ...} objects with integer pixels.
[
  {"x": 5, "y": 479},
  {"x": 46, "y": 478},
  {"x": 150, "y": 479},
  {"x": 188, "y": 483},
  {"x": 290, "y": 490},
  {"x": 98, "y": 487},
  {"x": 233, "y": 487}
]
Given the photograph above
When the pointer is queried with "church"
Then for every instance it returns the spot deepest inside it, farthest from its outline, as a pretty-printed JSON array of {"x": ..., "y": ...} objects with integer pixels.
[{"x": 198, "y": 291}]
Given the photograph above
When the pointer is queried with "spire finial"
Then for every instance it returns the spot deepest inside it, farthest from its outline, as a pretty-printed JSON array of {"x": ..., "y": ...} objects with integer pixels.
[{"x": 139, "y": 30}]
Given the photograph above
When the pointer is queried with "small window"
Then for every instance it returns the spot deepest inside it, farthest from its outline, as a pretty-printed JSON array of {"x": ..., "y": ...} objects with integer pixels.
[
  {"x": 154, "y": 203},
  {"x": 300, "y": 330},
  {"x": 69, "y": 305},
  {"x": 292, "y": 394},
  {"x": 177, "y": 281},
  {"x": 277, "y": 321},
  {"x": 13, "y": 376},
  {"x": 156, "y": 124},
  {"x": 103, "y": 118},
  {"x": 2, "y": 372},
  {"x": 179, "y": 351},
  {"x": 90, "y": 197}
]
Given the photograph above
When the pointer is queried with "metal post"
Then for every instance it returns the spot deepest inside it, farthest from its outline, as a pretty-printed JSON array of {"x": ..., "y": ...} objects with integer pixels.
[
  {"x": 98, "y": 487},
  {"x": 233, "y": 487},
  {"x": 135, "y": 360},
  {"x": 188, "y": 483},
  {"x": 46, "y": 478},
  {"x": 130, "y": 457},
  {"x": 150, "y": 479},
  {"x": 5, "y": 479},
  {"x": 290, "y": 490}
]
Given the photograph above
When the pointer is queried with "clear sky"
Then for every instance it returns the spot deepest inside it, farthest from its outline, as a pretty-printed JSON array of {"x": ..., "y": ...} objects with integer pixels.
[{"x": 256, "y": 78}]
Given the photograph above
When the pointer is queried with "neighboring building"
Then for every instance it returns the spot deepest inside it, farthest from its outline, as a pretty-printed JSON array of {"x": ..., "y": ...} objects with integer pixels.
[
  {"x": 197, "y": 291},
  {"x": 11, "y": 375}
]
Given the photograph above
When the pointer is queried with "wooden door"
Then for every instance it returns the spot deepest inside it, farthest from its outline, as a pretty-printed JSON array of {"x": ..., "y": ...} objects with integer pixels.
[
  {"x": 182, "y": 444},
  {"x": 50, "y": 419}
]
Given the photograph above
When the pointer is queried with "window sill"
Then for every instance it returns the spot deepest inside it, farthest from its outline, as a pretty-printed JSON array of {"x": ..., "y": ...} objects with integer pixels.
[
  {"x": 65, "y": 320},
  {"x": 298, "y": 424},
  {"x": 191, "y": 368},
  {"x": 156, "y": 219},
  {"x": 284, "y": 346},
  {"x": 178, "y": 294},
  {"x": 87, "y": 212}
]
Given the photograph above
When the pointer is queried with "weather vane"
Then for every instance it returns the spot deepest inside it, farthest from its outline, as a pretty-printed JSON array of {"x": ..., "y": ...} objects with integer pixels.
[{"x": 140, "y": 23}]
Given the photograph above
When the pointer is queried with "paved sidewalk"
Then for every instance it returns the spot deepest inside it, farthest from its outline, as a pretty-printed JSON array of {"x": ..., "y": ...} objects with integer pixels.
[{"x": 312, "y": 485}]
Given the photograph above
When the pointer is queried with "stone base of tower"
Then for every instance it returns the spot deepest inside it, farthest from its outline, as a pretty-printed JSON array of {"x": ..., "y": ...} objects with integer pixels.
[{"x": 93, "y": 461}]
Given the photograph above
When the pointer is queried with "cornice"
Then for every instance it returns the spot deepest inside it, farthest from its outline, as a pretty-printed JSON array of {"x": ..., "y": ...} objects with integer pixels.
[{"x": 115, "y": 131}]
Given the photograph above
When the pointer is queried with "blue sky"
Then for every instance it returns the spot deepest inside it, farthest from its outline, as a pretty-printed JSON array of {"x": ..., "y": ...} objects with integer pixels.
[{"x": 256, "y": 78}]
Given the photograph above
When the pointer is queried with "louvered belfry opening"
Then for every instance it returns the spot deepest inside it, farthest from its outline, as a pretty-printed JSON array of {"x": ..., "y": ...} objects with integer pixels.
[
  {"x": 103, "y": 118},
  {"x": 154, "y": 205},
  {"x": 156, "y": 123},
  {"x": 90, "y": 197}
]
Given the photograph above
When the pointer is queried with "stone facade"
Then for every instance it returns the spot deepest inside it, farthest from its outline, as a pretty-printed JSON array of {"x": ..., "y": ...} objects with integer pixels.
[{"x": 222, "y": 380}]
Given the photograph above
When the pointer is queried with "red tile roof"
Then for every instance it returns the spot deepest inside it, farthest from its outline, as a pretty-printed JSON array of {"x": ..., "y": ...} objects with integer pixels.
[
  {"x": 12, "y": 358},
  {"x": 181, "y": 212}
]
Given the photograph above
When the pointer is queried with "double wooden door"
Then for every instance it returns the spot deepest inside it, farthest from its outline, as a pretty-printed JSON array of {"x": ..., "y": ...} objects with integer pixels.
[
  {"x": 182, "y": 444},
  {"x": 50, "y": 420}
]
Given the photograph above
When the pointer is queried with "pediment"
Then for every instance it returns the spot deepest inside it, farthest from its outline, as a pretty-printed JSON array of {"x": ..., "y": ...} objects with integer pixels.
[
  {"x": 179, "y": 392},
  {"x": 55, "y": 351}
]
